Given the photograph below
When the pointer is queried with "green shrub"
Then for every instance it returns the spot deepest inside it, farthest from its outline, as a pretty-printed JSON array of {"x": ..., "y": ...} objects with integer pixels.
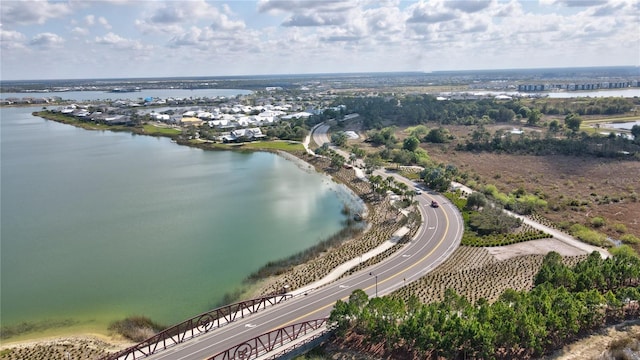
[
  {"x": 490, "y": 189},
  {"x": 629, "y": 239},
  {"x": 587, "y": 235},
  {"x": 619, "y": 228},
  {"x": 597, "y": 222}
]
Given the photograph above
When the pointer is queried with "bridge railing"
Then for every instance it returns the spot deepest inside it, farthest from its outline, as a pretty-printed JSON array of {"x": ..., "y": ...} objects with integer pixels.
[
  {"x": 272, "y": 340},
  {"x": 195, "y": 326}
]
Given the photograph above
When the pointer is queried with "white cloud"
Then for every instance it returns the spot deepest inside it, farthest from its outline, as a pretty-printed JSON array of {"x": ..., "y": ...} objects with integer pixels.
[
  {"x": 431, "y": 12},
  {"x": 102, "y": 21},
  {"x": 170, "y": 17},
  {"x": 318, "y": 35},
  {"x": 314, "y": 19},
  {"x": 117, "y": 42},
  {"x": 32, "y": 12},
  {"x": 510, "y": 9},
  {"x": 468, "y": 6},
  {"x": 574, "y": 3},
  {"x": 90, "y": 20},
  {"x": 80, "y": 31},
  {"x": 46, "y": 40},
  {"x": 10, "y": 39},
  {"x": 277, "y": 6}
]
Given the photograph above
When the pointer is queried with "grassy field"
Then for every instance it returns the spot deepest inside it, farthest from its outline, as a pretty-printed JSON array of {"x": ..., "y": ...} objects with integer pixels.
[
  {"x": 150, "y": 129},
  {"x": 253, "y": 146},
  {"x": 274, "y": 145}
]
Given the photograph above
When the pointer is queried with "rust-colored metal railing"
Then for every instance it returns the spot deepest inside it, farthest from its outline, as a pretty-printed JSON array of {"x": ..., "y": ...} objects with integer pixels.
[
  {"x": 196, "y": 326},
  {"x": 267, "y": 342}
]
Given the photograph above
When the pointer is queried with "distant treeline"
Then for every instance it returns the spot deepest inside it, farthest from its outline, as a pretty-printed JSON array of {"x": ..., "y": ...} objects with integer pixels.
[
  {"x": 378, "y": 112},
  {"x": 533, "y": 144}
]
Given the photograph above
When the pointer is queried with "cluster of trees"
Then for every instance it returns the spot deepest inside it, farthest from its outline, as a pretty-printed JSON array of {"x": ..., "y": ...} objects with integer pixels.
[
  {"x": 565, "y": 304},
  {"x": 518, "y": 201},
  {"x": 419, "y": 109},
  {"x": 380, "y": 186},
  {"x": 534, "y": 143},
  {"x": 594, "y": 106},
  {"x": 285, "y": 130},
  {"x": 492, "y": 220},
  {"x": 438, "y": 177},
  {"x": 487, "y": 225},
  {"x": 406, "y": 152},
  {"x": 337, "y": 160}
]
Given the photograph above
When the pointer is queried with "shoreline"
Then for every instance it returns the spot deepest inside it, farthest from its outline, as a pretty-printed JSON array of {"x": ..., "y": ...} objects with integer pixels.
[{"x": 116, "y": 342}]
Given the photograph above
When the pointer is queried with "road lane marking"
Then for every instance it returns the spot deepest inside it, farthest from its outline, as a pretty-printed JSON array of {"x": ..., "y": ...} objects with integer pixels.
[{"x": 296, "y": 320}]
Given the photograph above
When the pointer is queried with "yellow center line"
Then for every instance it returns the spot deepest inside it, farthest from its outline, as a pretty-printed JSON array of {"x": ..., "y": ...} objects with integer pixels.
[{"x": 385, "y": 280}]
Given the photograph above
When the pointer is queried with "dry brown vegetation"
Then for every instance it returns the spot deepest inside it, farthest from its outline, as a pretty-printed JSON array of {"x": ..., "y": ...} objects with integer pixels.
[{"x": 578, "y": 188}]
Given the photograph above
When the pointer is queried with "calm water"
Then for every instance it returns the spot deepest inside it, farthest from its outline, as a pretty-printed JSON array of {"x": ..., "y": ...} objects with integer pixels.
[
  {"x": 102, "y": 95},
  {"x": 623, "y": 126},
  {"x": 632, "y": 92},
  {"x": 100, "y": 225}
]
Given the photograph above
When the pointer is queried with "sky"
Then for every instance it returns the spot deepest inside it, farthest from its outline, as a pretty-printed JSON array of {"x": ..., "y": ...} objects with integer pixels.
[{"x": 79, "y": 39}]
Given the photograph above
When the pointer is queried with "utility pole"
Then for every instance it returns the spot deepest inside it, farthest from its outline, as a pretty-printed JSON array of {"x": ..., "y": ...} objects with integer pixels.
[{"x": 376, "y": 276}]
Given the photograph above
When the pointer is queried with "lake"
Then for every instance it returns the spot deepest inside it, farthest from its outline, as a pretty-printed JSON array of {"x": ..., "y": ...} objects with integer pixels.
[
  {"x": 627, "y": 93},
  {"x": 99, "y": 225},
  {"x": 154, "y": 93}
]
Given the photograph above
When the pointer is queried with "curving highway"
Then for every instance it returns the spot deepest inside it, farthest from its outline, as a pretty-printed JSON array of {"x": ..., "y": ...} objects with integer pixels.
[{"x": 437, "y": 238}]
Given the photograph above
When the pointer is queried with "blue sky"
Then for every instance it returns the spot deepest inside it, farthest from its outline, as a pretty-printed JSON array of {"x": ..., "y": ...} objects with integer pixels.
[{"x": 119, "y": 38}]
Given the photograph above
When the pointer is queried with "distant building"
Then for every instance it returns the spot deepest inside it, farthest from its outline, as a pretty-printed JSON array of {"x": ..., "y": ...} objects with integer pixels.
[
  {"x": 188, "y": 120},
  {"x": 243, "y": 135}
]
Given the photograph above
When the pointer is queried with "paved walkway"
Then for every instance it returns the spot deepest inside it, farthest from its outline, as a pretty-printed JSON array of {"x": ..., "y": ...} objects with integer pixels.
[
  {"x": 559, "y": 235},
  {"x": 341, "y": 269}
]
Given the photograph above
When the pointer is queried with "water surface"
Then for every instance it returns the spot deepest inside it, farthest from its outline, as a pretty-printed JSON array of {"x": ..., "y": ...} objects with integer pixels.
[{"x": 98, "y": 225}]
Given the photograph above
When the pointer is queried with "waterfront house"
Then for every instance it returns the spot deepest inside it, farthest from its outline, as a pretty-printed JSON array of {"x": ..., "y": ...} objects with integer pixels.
[
  {"x": 239, "y": 135},
  {"x": 188, "y": 120}
]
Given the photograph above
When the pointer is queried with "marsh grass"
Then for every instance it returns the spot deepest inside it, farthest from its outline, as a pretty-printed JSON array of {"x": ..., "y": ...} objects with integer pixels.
[
  {"x": 10, "y": 331},
  {"x": 136, "y": 328}
]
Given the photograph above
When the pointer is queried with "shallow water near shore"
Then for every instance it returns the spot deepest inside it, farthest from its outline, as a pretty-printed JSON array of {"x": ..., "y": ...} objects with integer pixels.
[{"x": 97, "y": 226}]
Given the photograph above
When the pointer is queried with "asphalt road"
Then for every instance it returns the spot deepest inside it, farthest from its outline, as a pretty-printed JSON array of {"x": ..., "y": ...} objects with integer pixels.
[{"x": 437, "y": 238}]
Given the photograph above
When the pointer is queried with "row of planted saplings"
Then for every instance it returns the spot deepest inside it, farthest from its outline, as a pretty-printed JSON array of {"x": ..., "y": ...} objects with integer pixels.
[
  {"x": 39, "y": 352},
  {"x": 542, "y": 220},
  {"x": 473, "y": 284},
  {"x": 466, "y": 257}
]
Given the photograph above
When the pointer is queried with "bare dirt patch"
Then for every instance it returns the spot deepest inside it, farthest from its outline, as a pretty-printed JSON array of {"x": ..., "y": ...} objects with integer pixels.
[
  {"x": 542, "y": 246},
  {"x": 594, "y": 346}
]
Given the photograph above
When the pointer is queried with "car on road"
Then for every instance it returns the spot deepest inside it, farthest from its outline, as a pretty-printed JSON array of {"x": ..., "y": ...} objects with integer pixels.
[
  {"x": 418, "y": 191},
  {"x": 434, "y": 204}
]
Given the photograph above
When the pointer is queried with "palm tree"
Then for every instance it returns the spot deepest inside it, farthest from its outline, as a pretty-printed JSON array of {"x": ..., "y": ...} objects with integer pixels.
[
  {"x": 375, "y": 181},
  {"x": 390, "y": 180}
]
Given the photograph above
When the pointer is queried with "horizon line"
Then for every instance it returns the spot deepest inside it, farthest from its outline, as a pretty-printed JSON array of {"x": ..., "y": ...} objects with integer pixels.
[{"x": 227, "y": 77}]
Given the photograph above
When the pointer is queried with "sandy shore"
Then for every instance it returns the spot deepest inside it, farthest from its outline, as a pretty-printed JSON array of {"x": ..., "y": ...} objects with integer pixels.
[{"x": 82, "y": 346}]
